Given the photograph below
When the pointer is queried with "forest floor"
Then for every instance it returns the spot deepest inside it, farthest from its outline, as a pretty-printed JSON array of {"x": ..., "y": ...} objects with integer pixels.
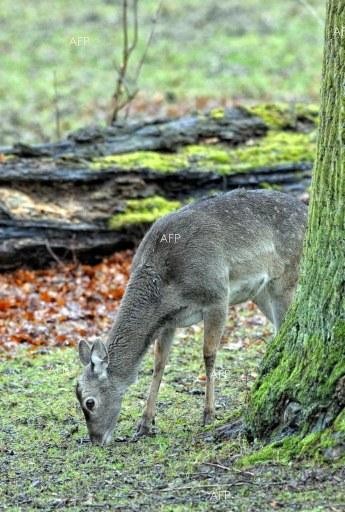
[
  {"x": 63, "y": 67},
  {"x": 60, "y": 74},
  {"x": 46, "y": 461}
]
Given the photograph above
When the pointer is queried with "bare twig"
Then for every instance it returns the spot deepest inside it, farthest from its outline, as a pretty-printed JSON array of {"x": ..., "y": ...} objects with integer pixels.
[
  {"x": 135, "y": 25},
  {"x": 149, "y": 40},
  {"x": 124, "y": 92},
  {"x": 52, "y": 254},
  {"x": 125, "y": 31},
  {"x": 209, "y": 486},
  {"x": 121, "y": 94},
  {"x": 227, "y": 484},
  {"x": 312, "y": 11},
  {"x": 56, "y": 105},
  {"x": 220, "y": 466},
  {"x": 73, "y": 251}
]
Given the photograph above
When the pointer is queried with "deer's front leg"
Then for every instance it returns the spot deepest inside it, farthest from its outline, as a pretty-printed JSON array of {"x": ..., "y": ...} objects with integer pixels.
[
  {"x": 162, "y": 348},
  {"x": 214, "y": 321}
]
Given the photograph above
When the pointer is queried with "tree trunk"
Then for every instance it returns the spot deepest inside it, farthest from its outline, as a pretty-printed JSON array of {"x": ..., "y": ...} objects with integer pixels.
[{"x": 301, "y": 387}]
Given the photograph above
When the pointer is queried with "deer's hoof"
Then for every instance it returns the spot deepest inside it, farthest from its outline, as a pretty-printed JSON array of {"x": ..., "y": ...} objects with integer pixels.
[
  {"x": 208, "y": 418},
  {"x": 144, "y": 428}
]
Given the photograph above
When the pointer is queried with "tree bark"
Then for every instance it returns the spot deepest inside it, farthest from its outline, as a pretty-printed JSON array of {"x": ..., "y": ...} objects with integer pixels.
[
  {"x": 233, "y": 126},
  {"x": 301, "y": 387}
]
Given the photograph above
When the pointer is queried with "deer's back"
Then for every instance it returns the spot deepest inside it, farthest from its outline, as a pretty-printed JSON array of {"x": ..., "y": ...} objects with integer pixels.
[{"x": 237, "y": 234}]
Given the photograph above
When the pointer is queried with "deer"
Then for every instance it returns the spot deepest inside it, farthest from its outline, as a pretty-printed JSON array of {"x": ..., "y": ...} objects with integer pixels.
[{"x": 190, "y": 266}]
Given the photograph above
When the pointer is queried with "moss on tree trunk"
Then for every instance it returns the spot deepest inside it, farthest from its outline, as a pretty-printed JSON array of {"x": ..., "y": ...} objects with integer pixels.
[{"x": 301, "y": 387}]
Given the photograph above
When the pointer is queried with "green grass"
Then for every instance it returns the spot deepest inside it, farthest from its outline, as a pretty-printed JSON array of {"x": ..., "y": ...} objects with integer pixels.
[
  {"x": 258, "y": 50},
  {"x": 41, "y": 433}
]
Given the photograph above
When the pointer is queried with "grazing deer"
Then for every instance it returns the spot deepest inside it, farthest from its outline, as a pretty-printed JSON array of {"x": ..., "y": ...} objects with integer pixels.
[{"x": 190, "y": 266}]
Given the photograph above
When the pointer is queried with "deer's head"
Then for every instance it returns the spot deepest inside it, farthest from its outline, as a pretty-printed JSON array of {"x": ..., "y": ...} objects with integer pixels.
[{"x": 99, "y": 392}]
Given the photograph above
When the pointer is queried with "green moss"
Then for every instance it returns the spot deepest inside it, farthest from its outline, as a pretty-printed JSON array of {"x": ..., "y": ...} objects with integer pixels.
[
  {"x": 289, "y": 376},
  {"x": 339, "y": 424},
  {"x": 309, "y": 377},
  {"x": 280, "y": 116},
  {"x": 139, "y": 211},
  {"x": 270, "y": 186},
  {"x": 309, "y": 112},
  {"x": 316, "y": 446},
  {"x": 208, "y": 157},
  {"x": 272, "y": 115},
  {"x": 194, "y": 156},
  {"x": 278, "y": 146},
  {"x": 339, "y": 330},
  {"x": 217, "y": 113},
  {"x": 216, "y": 154},
  {"x": 140, "y": 160},
  {"x": 275, "y": 148},
  {"x": 274, "y": 452}
]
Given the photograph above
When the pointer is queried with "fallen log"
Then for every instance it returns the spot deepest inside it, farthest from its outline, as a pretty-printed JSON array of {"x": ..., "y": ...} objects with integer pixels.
[
  {"x": 233, "y": 126},
  {"x": 100, "y": 189}
]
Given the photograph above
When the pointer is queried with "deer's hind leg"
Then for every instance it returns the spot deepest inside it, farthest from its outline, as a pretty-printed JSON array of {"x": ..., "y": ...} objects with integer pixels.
[
  {"x": 162, "y": 348},
  {"x": 214, "y": 322},
  {"x": 274, "y": 302},
  {"x": 280, "y": 304},
  {"x": 264, "y": 302}
]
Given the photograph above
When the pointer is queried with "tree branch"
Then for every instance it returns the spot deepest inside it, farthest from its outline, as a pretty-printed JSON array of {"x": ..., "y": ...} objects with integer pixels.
[{"x": 124, "y": 93}]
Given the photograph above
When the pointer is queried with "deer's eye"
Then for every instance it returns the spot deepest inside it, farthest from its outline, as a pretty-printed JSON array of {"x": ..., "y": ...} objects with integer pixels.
[{"x": 90, "y": 404}]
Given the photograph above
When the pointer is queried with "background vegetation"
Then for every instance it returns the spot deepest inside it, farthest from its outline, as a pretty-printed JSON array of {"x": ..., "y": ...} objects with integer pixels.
[{"x": 204, "y": 53}]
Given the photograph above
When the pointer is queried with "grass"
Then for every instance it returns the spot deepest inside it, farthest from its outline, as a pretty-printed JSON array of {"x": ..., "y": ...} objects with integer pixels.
[
  {"x": 267, "y": 51},
  {"x": 46, "y": 463}
]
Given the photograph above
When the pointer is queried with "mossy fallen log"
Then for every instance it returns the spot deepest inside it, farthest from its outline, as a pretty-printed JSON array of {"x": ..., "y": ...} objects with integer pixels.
[
  {"x": 233, "y": 126},
  {"x": 101, "y": 188}
]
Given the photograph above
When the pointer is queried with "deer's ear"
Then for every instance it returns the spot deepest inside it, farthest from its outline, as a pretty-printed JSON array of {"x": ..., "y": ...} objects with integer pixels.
[
  {"x": 84, "y": 352},
  {"x": 99, "y": 358}
]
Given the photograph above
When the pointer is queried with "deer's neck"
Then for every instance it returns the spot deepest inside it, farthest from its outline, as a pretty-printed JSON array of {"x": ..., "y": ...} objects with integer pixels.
[{"x": 137, "y": 321}]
